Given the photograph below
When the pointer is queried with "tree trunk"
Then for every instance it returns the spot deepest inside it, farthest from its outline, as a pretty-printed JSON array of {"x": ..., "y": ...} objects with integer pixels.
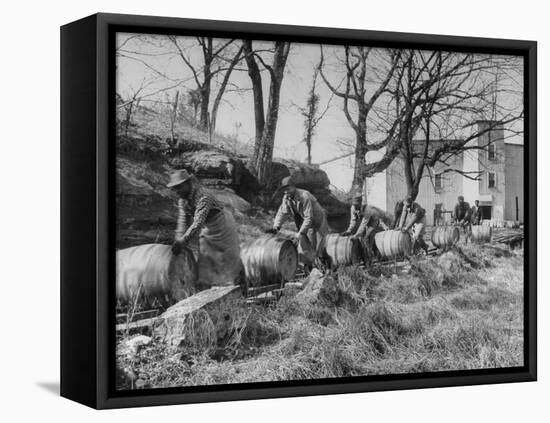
[
  {"x": 361, "y": 149},
  {"x": 221, "y": 90},
  {"x": 257, "y": 91},
  {"x": 360, "y": 164},
  {"x": 205, "y": 98},
  {"x": 205, "y": 88},
  {"x": 264, "y": 156},
  {"x": 266, "y": 126},
  {"x": 174, "y": 116}
]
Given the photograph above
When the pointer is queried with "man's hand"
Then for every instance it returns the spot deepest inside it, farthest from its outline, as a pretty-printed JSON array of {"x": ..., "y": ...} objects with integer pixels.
[
  {"x": 177, "y": 247},
  {"x": 271, "y": 231},
  {"x": 345, "y": 233},
  {"x": 296, "y": 238},
  {"x": 405, "y": 230}
]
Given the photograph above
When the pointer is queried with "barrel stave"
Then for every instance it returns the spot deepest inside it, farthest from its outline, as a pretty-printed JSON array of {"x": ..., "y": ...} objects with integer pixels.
[
  {"x": 445, "y": 236},
  {"x": 393, "y": 243},
  {"x": 481, "y": 233},
  {"x": 153, "y": 272},
  {"x": 342, "y": 250},
  {"x": 269, "y": 259}
]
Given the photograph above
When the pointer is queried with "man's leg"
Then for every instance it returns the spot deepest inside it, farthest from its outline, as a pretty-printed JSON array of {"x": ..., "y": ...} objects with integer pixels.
[
  {"x": 368, "y": 242},
  {"x": 320, "y": 245},
  {"x": 306, "y": 250},
  {"x": 418, "y": 235}
]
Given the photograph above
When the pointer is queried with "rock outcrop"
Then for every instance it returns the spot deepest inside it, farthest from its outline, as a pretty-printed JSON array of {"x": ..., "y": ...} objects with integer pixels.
[{"x": 145, "y": 204}]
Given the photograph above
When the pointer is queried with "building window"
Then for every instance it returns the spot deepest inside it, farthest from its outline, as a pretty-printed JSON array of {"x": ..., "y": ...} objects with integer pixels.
[
  {"x": 492, "y": 180},
  {"x": 438, "y": 182},
  {"x": 491, "y": 152}
]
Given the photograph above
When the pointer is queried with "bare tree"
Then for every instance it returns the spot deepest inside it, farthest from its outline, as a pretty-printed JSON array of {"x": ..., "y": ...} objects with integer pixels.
[
  {"x": 173, "y": 117},
  {"x": 441, "y": 96},
  {"x": 364, "y": 67},
  {"x": 194, "y": 100},
  {"x": 265, "y": 123},
  {"x": 311, "y": 114},
  {"x": 131, "y": 104},
  {"x": 214, "y": 63}
]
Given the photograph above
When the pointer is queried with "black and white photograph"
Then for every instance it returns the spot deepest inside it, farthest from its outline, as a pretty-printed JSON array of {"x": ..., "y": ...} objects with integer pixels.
[{"x": 293, "y": 211}]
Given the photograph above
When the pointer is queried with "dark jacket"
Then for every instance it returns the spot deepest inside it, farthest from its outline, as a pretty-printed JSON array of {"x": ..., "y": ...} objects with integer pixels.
[
  {"x": 415, "y": 208},
  {"x": 462, "y": 212},
  {"x": 363, "y": 218},
  {"x": 475, "y": 215}
]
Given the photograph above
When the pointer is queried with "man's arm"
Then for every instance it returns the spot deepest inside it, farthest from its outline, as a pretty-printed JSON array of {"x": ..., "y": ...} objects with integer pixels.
[
  {"x": 181, "y": 226},
  {"x": 362, "y": 229},
  {"x": 468, "y": 213},
  {"x": 397, "y": 214},
  {"x": 199, "y": 219},
  {"x": 419, "y": 213},
  {"x": 308, "y": 217}
]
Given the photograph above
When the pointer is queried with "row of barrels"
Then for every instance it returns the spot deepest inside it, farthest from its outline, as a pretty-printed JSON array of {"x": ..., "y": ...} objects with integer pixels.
[
  {"x": 447, "y": 236},
  {"x": 153, "y": 271}
]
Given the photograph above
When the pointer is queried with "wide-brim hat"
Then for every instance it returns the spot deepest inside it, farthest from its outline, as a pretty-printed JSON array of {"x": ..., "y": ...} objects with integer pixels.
[
  {"x": 178, "y": 177},
  {"x": 286, "y": 182}
]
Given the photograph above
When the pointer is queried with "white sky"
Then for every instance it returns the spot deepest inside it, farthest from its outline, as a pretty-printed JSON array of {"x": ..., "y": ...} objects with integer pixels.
[{"x": 237, "y": 108}]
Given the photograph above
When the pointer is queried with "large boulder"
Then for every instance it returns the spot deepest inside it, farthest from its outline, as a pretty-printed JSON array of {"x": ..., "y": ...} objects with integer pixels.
[
  {"x": 231, "y": 200},
  {"x": 305, "y": 176},
  {"x": 216, "y": 168},
  {"x": 208, "y": 164},
  {"x": 332, "y": 205}
]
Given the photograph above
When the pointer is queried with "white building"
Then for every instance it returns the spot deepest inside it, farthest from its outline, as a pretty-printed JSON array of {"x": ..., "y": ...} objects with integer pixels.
[{"x": 499, "y": 188}]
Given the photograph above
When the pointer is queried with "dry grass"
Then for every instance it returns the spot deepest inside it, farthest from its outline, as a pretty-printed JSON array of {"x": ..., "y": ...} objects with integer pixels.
[{"x": 435, "y": 317}]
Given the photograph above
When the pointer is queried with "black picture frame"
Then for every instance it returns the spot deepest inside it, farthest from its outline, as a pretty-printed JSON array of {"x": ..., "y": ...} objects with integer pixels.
[{"x": 87, "y": 210}]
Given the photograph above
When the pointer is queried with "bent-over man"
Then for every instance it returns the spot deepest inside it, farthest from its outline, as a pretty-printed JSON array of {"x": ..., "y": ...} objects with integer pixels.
[
  {"x": 461, "y": 216},
  {"x": 364, "y": 225},
  {"x": 310, "y": 219},
  {"x": 410, "y": 215},
  {"x": 208, "y": 229}
]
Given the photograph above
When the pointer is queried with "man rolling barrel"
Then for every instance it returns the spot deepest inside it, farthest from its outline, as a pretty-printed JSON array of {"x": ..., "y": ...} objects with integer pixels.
[
  {"x": 461, "y": 216},
  {"x": 202, "y": 216},
  {"x": 410, "y": 215},
  {"x": 364, "y": 224},
  {"x": 310, "y": 219}
]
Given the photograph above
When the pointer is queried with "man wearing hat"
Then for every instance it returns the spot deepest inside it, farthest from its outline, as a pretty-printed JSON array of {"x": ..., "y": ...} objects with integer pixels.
[
  {"x": 410, "y": 215},
  {"x": 310, "y": 219},
  {"x": 202, "y": 216},
  {"x": 462, "y": 215},
  {"x": 363, "y": 225},
  {"x": 475, "y": 214}
]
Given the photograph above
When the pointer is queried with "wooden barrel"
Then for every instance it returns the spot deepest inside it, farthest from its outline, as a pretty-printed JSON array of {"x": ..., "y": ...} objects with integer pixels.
[
  {"x": 392, "y": 244},
  {"x": 343, "y": 250},
  {"x": 152, "y": 272},
  {"x": 445, "y": 236},
  {"x": 481, "y": 233},
  {"x": 268, "y": 260}
]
